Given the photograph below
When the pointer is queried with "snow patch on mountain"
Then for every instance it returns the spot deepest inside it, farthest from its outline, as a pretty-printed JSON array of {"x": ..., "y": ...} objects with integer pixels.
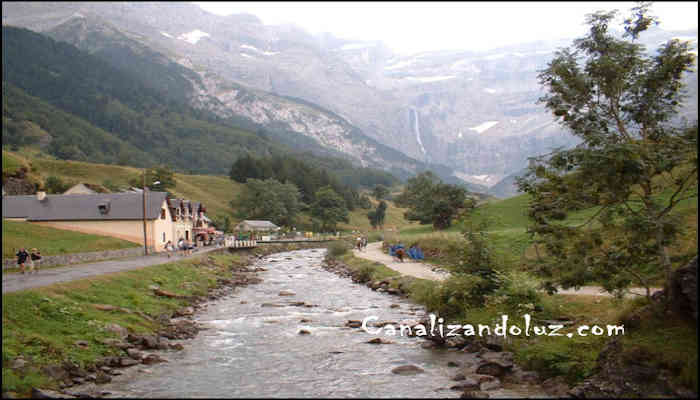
[
  {"x": 400, "y": 64},
  {"x": 194, "y": 36},
  {"x": 495, "y": 56},
  {"x": 267, "y": 53},
  {"x": 248, "y": 56},
  {"x": 356, "y": 46},
  {"x": 487, "y": 180},
  {"x": 166, "y": 34},
  {"x": 483, "y": 127},
  {"x": 426, "y": 79},
  {"x": 490, "y": 91}
]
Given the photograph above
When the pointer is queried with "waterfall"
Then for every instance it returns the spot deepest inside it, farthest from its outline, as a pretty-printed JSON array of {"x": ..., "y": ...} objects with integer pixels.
[{"x": 416, "y": 128}]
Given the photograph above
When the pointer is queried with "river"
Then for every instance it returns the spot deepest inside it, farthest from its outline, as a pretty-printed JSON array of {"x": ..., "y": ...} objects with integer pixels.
[{"x": 251, "y": 350}]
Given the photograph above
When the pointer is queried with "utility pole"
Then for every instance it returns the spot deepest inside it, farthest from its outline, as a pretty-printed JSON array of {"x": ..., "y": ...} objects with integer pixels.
[{"x": 145, "y": 243}]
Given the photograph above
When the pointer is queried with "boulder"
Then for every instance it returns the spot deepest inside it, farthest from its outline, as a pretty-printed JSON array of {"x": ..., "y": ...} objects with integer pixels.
[
  {"x": 286, "y": 293},
  {"x": 556, "y": 386},
  {"x": 459, "y": 377},
  {"x": 116, "y": 328},
  {"x": 466, "y": 384},
  {"x": 407, "y": 370},
  {"x": 353, "y": 323},
  {"x": 491, "y": 368},
  {"x": 176, "y": 346},
  {"x": 304, "y": 332},
  {"x": 474, "y": 394},
  {"x": 18, "y": 363},
  {"x": 83, "y": 344},
  {"x": 49, "y": 394},
  {"x": 456, "y": 342},
  {"x": 453, "y": 364},
  {"x": 135, "y": 354},
  {"x": 482, "y": 378},
  {"x": 394, "y": 306},
  {"x": 490, "y": 385},
  {"x": 149, "y": 342},
  {"x": 379, "y": 341},
  {"x": 472, "y": 347},
  {"x": 183, "y": 312},
  {"x": 127, "y": 362},
  {"x": 56, "y": 372},
  {"x": 153, "y": 359},
  {"x": 684, "y": 289},
  {"x": 503, "y": 359}
]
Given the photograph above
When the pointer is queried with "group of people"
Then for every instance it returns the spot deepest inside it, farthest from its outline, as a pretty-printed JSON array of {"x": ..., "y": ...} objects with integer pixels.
[
  {"x": 33, "y": 259},
  {"x": 399, "y": 252},
  {"x": 361, "y": 243},
  {"x": 185, "y": 246}
]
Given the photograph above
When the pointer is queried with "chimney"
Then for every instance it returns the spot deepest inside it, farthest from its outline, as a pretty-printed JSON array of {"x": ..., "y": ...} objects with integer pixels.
[{"x": 40, "y": 196}]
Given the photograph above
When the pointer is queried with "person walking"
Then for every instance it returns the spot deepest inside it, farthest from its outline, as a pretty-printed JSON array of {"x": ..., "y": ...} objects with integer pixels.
[
  {"x": 22, "y": 256},
  {"x": 169, "y": 248},
  {"x": 34, "y": 261},
  {"x": 181, "y": 245}
]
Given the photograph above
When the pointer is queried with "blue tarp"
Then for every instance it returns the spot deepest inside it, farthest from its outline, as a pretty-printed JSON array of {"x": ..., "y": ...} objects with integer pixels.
[{"x": 415, "y": 253}]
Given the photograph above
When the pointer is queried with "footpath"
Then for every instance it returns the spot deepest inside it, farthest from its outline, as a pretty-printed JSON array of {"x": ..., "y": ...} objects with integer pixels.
[
  {"x": 13, "y": 282},
  {"x": 373, "y": 252}
]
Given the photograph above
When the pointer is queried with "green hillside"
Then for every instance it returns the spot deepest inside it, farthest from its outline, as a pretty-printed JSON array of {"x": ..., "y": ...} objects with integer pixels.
[
  {"x": 117, "y": 102},
  {"x": 51, "y": 241}
]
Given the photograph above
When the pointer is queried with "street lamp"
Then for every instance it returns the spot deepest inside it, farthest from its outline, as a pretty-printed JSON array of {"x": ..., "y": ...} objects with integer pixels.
[{"x": 145, "y": 240}]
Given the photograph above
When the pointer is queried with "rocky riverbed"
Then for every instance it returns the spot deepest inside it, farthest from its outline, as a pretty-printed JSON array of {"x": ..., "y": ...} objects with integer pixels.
[{"x": 290, "y": 328}]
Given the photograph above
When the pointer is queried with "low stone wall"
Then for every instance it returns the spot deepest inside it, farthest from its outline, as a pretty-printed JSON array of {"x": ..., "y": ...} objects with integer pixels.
[{"x": 78, "y": 258}]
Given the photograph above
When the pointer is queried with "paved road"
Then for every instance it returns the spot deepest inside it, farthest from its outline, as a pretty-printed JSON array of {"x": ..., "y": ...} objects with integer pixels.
[
  {"x": 16, "y": 281},
  {"x": 373, "y": 252}
]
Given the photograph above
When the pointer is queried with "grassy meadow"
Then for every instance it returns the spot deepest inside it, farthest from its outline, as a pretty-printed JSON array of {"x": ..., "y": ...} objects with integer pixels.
[{"x": 52, "y": 241}]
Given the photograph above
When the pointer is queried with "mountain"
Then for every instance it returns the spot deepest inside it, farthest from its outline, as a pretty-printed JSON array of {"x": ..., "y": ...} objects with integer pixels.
[
  {"x": 473, "y": 112},
  {"x": 294, "y": 122}
]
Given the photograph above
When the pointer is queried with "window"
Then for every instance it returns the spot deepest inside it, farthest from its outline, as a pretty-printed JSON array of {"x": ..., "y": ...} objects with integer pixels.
[
  {"x": 162, "y": 213},
  {"x": 163, "y": 237}
]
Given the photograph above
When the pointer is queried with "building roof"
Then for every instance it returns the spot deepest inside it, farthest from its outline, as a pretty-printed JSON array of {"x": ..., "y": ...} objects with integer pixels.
[
  {"x": 258, "y": 225},
  {"x": 60, "y": 207},
  {"x": 79, "y": 189}
]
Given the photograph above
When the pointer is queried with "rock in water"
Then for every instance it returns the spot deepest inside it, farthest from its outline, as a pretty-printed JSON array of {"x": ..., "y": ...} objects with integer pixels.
[{"x": 407, "y": 370}]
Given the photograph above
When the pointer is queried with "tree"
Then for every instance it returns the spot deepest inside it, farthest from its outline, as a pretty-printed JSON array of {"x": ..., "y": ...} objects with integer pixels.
[
  {"x": 329, "y": 208},
  {"x": 364, "y": 202},
  {"x": 376, "y": 217},
  {"x": 379, "y": 192},
  {"x": 55, "y": 185},
  {"x": 431, "y": 201},
  {"x": 268, "y": 200},
  {"x": 633, "y": 167}
]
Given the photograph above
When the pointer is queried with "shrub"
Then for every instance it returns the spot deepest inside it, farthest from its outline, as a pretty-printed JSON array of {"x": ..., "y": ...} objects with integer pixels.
[
  {"x": 375, "y": 237},
  {"x": 517, "y": 289},
  {"x": 336, "y": 249},
  {"x": 363, "y": 275},
  {"x": 454, "y": 296}
]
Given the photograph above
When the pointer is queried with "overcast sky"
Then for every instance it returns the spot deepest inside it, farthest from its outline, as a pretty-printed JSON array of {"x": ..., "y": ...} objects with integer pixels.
[{"x": 409, "y": 27}]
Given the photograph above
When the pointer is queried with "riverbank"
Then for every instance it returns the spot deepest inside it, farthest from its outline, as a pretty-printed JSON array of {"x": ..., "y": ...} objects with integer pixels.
[
  {"x": 57, "y": 336},
  {"x": 657, "y": 353}
]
